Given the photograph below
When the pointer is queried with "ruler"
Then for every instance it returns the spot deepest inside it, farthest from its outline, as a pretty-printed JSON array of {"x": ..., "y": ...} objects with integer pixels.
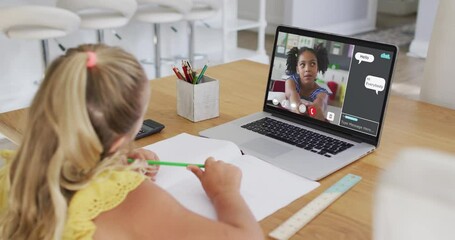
[{"x": 314, "y": 208}]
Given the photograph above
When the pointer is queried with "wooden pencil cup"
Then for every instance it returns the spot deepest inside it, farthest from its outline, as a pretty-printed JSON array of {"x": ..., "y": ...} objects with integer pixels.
[{"x": 197, "y": 102}]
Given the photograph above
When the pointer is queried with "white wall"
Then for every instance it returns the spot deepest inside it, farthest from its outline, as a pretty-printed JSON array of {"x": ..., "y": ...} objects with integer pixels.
[
  {"x": 426, "y": 14},
  {"x": 342, "y": 17},
  {"x": 345, "y": 17},
  {"x": 397, "y": 7},
  {"x": 274, "y": 12}
]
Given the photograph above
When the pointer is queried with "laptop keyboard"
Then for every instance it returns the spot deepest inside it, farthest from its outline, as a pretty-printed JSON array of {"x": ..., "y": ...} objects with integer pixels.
[{"x": 299, "y": 137}]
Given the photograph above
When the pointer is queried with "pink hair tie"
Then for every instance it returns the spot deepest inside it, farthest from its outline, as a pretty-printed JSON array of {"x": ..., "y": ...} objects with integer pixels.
[{"x": 91, "y": 61}]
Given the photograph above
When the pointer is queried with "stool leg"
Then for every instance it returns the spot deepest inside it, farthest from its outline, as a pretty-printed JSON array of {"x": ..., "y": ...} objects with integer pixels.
[
  {"x": 191, "y": 42},
  {"x": 157, "y": 44},
  {"x": 100, "y": 35},
  {"x": 45, "y": 51}
]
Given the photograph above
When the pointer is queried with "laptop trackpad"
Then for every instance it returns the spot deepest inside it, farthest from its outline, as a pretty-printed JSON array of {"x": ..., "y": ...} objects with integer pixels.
[{"x": 266, "y": 147}]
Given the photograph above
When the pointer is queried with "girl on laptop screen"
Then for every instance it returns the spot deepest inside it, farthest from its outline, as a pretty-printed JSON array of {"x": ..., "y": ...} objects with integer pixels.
[{"x": 303, "y": 66}]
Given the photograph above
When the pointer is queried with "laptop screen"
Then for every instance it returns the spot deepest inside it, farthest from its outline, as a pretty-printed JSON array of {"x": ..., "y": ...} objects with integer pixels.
[{"x": 330, "y": 80}]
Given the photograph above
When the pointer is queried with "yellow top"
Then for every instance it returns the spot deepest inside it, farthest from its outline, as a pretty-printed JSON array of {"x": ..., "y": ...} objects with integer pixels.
[
  {"x": 6, "y": 156},
  {"x": 104, "y": 192}
]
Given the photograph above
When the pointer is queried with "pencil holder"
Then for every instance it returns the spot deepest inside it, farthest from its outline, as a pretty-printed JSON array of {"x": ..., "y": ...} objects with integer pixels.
[{"x": 197, "y": 102}]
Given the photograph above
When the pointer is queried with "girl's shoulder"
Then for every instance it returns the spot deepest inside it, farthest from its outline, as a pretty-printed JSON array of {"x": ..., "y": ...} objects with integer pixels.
[
  {"x": 320, "y": 89},
  {"x": 105, "y": 192},
  {"x": 295, "y": 79},
  {"x": 6, "y": 156}
]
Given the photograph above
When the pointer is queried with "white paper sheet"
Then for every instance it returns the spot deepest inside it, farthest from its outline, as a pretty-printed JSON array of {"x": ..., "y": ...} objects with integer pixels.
[
  {"x": 189, "y": 149},
  {"x": 264, "y": 187}
]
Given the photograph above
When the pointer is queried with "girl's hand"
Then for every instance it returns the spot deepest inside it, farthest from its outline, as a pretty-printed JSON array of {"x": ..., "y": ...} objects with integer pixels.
[
  {"x": 218, "y": 178},
  {"x": 142, "y": 155}
]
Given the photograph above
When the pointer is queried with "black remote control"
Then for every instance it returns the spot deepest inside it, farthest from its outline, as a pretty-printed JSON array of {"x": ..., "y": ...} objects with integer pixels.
[{"x": 148, "y": 128}]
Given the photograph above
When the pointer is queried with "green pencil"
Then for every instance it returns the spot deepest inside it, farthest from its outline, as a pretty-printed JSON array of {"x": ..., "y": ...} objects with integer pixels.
[
  {"x": 201, "y": 74},
  {"x": 176, "y": 164}
]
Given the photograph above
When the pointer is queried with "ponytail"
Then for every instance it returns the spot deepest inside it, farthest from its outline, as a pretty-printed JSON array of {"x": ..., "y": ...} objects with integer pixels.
[
  {"x": 322, "y": 56},
  {"x": 291, "y": 61}
]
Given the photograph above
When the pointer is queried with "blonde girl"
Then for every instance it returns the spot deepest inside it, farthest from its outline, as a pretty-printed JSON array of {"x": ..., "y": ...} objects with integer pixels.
[{"x": 69, "y": 179}]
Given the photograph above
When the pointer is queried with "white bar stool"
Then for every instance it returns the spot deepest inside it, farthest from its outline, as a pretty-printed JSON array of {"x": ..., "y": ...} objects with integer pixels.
[
  {"x": 202, "y": 9},
  {"x": 37, "y": 22},
  {"x": 101, "y": 14},
  {"x": 157, "y": 12}
]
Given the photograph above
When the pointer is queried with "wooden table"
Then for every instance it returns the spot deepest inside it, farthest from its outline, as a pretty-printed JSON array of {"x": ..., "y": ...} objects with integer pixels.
[{"x": 242, "y": 87}]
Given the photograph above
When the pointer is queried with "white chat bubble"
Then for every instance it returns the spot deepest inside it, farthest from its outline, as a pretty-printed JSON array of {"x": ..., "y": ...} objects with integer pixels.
[
  {"x": 364, "y": 57},
  {"x": 375, "y": 83}
]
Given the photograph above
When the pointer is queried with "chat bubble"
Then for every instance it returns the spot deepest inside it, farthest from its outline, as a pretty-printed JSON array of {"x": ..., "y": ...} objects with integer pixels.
[
  {"x": 364, "y": 57},
  {"x": 375, "y": 83}
]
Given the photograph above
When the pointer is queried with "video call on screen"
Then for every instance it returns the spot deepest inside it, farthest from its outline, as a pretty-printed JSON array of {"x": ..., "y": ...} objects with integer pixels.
[{"x": 356, "y": 79}]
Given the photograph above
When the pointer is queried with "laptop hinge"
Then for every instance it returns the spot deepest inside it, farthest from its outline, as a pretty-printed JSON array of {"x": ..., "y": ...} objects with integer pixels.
[{"x": 322, "y": 129}]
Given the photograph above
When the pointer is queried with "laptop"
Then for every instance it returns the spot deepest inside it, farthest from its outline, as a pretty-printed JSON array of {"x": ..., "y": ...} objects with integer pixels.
[{"x": 324, "y": 104}]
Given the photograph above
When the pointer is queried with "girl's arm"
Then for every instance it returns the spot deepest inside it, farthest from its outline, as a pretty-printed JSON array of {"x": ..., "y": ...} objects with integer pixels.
[
  {"x": 291, "y": 93},
  {"x": 321, "y": 101},
  {"x": 149, "y": 212}
]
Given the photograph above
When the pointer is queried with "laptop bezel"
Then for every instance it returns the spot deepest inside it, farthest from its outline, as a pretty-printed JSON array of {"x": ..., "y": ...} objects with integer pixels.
[{"x": 320, "y": 125}]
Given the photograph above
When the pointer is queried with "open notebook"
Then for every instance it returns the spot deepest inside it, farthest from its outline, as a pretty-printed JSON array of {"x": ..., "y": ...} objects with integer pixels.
[{"x": 265, "y": 187}]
